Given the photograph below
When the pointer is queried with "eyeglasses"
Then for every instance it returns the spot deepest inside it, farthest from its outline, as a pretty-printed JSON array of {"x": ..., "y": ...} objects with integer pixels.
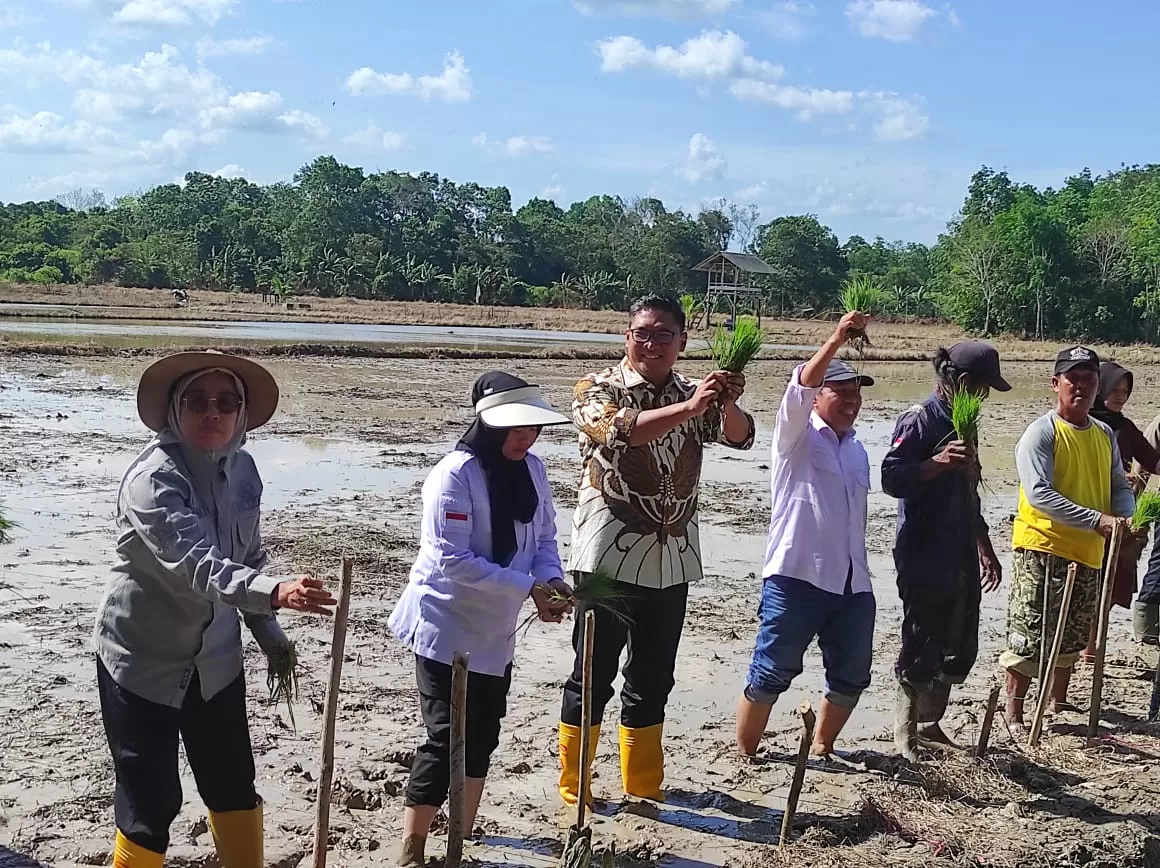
[
  {"x": 643, "y": 336},
  {"x": 227, "y": 403}
]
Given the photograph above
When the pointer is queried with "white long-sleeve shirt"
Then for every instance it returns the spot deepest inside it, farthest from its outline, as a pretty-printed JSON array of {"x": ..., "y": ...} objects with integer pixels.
[
  {"x": 819, "y": 486},
  {"x": 457, "y": 598}
]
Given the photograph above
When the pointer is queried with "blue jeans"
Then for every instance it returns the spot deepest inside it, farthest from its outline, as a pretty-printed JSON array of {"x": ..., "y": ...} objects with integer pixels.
[{"x": 793, "y": 613}]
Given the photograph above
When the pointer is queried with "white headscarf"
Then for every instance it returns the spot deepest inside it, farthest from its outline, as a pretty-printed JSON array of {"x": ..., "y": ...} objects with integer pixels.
[{"x": 179, "y": 390}]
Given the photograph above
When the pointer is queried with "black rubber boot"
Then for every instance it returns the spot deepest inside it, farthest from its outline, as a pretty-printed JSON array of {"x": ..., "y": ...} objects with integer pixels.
[
  {"x": 1146, "y": 622},
  {"x": 932, "y": 705}
]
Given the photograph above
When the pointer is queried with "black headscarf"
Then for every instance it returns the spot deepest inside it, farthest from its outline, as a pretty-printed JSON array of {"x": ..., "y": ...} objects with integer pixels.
[
  {"x": 1110, "y": 376},
  {"x": 510, "y": 489}
]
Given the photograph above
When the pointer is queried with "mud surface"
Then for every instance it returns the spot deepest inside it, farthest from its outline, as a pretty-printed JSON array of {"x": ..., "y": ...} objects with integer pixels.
[{"x": 342, "y": 462}]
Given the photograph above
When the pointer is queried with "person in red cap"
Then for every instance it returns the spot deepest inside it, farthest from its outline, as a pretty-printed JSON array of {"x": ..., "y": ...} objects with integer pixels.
[{"x": 942, "y": 552}]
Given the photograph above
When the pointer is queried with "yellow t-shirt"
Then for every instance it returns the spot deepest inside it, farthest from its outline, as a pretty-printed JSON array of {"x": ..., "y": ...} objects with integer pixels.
[{"x": 1082, "y": 473}]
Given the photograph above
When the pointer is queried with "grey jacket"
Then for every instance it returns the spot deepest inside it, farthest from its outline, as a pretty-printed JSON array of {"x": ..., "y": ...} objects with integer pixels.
[{"x": 190, "y": 557}]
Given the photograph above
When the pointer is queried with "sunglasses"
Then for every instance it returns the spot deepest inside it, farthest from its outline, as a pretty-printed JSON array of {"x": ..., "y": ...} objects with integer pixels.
[
  {"x": 643, "y": 336},
  {"x": 227, "y": 403}
]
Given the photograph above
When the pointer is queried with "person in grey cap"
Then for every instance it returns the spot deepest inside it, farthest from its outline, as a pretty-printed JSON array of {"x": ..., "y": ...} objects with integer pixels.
[
  {"x": 816, "y": 576},
  {"x": 942, "y": 551}
]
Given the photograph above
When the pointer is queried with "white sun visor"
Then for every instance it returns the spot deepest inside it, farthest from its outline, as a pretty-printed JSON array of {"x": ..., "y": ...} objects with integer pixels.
[{"x": 518, "y": 408}]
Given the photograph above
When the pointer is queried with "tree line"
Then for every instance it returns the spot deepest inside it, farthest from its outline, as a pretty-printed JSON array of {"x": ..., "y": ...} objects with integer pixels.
[{"x": 1079, "y": 262}]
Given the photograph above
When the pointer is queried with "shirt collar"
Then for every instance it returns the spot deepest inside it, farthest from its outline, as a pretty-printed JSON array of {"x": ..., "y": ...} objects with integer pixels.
[
  {"x": 632, "y": 378},
  {"x": 938, "y": 406},
  {"x": 820, "y": 426}
]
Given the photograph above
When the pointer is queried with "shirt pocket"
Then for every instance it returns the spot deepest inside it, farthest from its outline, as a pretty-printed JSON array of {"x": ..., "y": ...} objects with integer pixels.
[{"x": 246, "y": 529}]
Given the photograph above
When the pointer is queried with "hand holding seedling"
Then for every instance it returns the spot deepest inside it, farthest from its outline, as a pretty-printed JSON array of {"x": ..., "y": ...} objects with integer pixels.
[
  {"x": 553, "y": 600},
  {"x": 304, "y": 594},
  {"x": 707, "y": 394},
  {"x": 1108, "y": 523},
  {"x": 957, "y": 453},
  {"x": 851, "y": 325},
  {"x": 734, "y": 387}
]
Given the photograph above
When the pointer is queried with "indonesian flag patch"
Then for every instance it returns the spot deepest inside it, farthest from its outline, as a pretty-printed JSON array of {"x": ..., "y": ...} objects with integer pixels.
[{"x": 455, "y": 516}]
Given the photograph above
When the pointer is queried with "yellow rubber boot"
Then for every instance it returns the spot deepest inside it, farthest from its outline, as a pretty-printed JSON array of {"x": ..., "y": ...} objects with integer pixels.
[
  {"x": 642, "y": 762},
  {"x": 570, "y": 762},
  {"x": 126, "y": 854},
  {"x": 237, "y": 835}
]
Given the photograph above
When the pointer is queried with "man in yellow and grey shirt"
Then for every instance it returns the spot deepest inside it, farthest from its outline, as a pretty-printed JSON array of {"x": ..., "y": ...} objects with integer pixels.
[{"x": 1072, "y": 492}]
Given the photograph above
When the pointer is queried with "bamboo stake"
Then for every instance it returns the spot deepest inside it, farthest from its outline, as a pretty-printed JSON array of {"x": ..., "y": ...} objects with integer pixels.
[
  {"x": 988, "y": 721},
  {"x": 1053, "y": 658},
  {"x": 1045, "y": 623},
  {"x": 1104, "y": 613},
  {"x": 586, "y": 718},
  {"x": 333, "y": 686},
  {"x": 456, "y": 801},
  {"x": 1154, "y": 705},
  {"x": 799, "y": 772}
]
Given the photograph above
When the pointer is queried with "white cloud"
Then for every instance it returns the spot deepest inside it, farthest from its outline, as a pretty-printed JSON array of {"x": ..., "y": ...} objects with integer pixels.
[
  {"x": 703, "y": 162},
  {"x": 664, "y": 8},
  {"x": 894, "y": 20},
  {"x": 953, "y": 18},
  {"x": 451, "y": 85},
  {"x": 519, "y": 146},
  {"x": 787, "y": 19},
  {"x": 48, "y": 133},
  {"x": 230, "y": 171},
  {"x": 711, "y": 55},
  {"x": 172, "y": 13},
  {"x": 515, "y": 146},
  {"x": 900, "y": 120},
  {"x": 807, "y": 102},
  {"x": 552, "y": 191},
  {"x": 373, "y": 137},
  {"x": 260, "y": 112},
  {"x": 250, "y": 46},
  {"x": 751, "y": 193}
]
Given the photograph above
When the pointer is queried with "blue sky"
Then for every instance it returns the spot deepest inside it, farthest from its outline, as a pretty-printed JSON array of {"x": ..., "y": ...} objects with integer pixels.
[{"x": 871, "y": 114}]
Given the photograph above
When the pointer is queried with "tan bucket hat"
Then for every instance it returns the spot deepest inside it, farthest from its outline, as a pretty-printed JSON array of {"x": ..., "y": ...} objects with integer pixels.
[{"x": 158, "y": 379}]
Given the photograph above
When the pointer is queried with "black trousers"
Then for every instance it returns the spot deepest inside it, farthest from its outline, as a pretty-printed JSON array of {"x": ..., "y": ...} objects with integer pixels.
[
  {"x": 940, "y": 626},
  {"x": 143, "y": 740},
  {"x": 486, "y": 707},
  {"x": 1150, "y": 586},
  {"x": 649, "y": 622}
]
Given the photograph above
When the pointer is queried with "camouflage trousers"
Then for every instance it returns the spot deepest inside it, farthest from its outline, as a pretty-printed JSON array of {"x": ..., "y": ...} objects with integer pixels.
[{"x": 1032, "y": 572}]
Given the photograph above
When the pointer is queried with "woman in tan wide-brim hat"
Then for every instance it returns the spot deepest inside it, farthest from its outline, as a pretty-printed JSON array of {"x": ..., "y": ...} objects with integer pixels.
[{"x": 168, "y": 640}]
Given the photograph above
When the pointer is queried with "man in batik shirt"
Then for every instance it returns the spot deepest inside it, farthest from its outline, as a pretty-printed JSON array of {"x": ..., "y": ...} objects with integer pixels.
[{"x": 643, "y": 429}]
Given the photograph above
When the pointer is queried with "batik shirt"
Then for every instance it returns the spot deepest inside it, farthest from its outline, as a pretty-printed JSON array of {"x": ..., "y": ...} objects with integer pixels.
[{"x": 637, "y": 510}]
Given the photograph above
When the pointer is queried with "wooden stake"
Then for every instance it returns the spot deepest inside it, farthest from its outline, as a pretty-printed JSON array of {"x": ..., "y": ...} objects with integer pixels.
[
  {"x": 1154, "y": 704},
  {"x": 988, "y": 721},
  {"x": 456, "y": 799},
  {"x": 1053, "y": 658},
  {"x": 586, "y": 718},
  {"x": 799, "y": 772},
  {"x": 333, "y": 686},
  {"x": 1103, "y": 613}
]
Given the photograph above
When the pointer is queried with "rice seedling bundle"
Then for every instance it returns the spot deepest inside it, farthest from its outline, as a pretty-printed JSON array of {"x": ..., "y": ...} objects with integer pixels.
[
  {"x": 966, "y": 407},
  {"x": 599, "y": 589},
  {"x": 732, "y": 351},
  {"x": 1147, "y": 510},
  {"x": 282, "y": 678},
  {"x": 6, "y": 528},
  {"x": 864, "y": 295}
]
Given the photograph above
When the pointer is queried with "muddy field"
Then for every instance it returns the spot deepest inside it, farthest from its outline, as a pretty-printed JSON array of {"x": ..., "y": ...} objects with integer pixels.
[{"x": 342, "y": 462}]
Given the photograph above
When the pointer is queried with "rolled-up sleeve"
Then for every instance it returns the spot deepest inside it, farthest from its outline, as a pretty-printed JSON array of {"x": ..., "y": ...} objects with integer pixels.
[
  {"x": 713, "y": 429},
  {"x": 596, "y": 411},
  {"x": 793, "y": 415},
  {"x": 448, "y": 519},
  {"x": 158, "y": 506}
]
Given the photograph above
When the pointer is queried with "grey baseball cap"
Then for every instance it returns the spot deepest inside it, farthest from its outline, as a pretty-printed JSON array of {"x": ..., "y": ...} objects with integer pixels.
[{"x": 842, "y": 372}]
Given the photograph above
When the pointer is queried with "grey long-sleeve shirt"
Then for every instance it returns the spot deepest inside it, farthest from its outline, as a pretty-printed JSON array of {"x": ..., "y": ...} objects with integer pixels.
[
  {"x": 1035, "y": 461},
  {"x": 189, "y": 557}
]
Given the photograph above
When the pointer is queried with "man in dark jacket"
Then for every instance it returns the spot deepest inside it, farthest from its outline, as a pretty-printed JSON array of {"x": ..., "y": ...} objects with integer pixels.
[{"x": 942, "y": 553}]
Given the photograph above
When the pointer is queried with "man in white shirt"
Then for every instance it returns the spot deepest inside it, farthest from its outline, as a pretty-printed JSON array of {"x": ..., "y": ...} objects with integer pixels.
[{"x": 816, "y": 574}]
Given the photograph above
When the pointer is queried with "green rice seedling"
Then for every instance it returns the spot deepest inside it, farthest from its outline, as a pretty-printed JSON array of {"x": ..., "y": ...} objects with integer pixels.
[
  {"x": 732, "y": 351},
  {"x": 6, "y": 528},
  {"x": 282, "y": 679},
  {"x": 864, "y": 295},
  {"x": 599, "y": 589},
  {"x": 966, "y": 408},
  {"x": 1147, "y": 510}
]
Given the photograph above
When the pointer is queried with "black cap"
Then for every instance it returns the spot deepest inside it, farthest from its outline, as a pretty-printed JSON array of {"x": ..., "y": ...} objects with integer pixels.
[
  {"x": 979, "y": 360},
  {"x": 1076, "y": 357}
]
